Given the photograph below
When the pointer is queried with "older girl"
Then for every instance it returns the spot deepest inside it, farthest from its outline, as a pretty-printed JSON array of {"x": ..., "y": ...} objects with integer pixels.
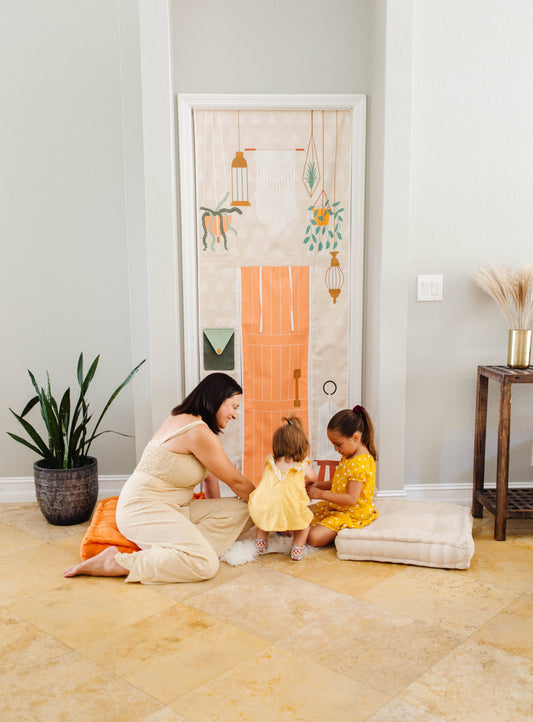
[{"x": 347, "y": 500}]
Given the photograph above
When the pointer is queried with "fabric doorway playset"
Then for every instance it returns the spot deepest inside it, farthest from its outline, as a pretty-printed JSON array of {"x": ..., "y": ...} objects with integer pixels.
[{"x": 275, "y": 288}]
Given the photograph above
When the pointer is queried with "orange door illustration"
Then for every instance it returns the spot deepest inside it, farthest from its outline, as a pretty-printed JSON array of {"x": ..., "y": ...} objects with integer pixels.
[{"x": 275, "y": 348}]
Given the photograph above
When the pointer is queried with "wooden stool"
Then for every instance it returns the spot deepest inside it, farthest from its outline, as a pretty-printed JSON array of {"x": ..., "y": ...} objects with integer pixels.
[
  {"x": 322, "y": 464},
  {"x": 502, "y": 502}
]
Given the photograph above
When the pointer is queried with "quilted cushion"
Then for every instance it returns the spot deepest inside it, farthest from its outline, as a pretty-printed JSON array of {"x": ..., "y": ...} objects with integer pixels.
[{"x": 423, "y": 533}]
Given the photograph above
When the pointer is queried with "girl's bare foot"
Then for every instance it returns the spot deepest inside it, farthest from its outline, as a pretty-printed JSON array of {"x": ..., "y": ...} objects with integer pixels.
[{"x": 102, "y": 565}]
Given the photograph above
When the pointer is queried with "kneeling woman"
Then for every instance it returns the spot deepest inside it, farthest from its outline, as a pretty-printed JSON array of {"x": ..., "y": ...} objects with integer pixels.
[{"x": 181, "y": 538}]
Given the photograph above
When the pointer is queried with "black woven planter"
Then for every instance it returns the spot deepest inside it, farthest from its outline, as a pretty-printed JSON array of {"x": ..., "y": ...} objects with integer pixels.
[{"x": 66, "y": 496}]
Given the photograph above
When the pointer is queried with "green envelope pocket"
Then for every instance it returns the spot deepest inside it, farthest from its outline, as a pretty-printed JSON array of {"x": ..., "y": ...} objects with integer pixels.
[{"x": 219, "y": 349}]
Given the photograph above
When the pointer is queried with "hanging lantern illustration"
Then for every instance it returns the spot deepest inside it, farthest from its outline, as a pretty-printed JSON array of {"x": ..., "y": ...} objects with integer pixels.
[
  {"x": 239, "y": 180},
  {"x": 334, "y": 277},
  {"x": 239, "y": 173}
]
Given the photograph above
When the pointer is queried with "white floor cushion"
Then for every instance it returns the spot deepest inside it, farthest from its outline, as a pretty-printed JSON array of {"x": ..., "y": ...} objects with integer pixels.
[{"x": 429, "y": 534}]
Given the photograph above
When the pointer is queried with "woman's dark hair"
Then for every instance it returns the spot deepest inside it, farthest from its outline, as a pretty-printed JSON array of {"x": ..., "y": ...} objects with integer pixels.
[
  {"x": 206, "y": 399},
  {"x": 348, "y": 421},
  {"x": 289, "y": 440}
]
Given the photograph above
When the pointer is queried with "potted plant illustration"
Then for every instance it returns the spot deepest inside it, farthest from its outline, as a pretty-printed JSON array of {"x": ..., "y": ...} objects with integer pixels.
[
  {"x": 66, "y": 477},
  {"x": 217, "y": 222}
]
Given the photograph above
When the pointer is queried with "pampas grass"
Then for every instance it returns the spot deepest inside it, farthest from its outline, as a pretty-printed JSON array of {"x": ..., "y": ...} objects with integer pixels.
[{"x": 512, "y": 290}]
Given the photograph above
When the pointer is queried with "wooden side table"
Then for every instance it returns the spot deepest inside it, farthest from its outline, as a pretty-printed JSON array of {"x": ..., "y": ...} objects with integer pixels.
[{"x": 502, "y": 502}]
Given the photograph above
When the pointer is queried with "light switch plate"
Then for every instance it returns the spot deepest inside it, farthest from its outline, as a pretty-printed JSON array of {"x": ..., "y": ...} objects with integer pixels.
[{"x": 429, "y": 288}]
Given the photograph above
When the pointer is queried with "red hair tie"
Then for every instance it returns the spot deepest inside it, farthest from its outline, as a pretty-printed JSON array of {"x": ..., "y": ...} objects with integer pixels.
[{"x": 358, "y": 409}]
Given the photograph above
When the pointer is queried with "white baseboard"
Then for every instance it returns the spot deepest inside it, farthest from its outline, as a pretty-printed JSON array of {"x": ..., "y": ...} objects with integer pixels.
[
  {"x": 451, "y": 493},
  {"x": 18, "y": 489}
]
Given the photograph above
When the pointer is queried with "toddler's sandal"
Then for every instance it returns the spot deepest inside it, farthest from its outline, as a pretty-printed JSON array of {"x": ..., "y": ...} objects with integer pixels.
[
  {"x": 297, "y": 552},
  {"x": 261, "y": 545}
]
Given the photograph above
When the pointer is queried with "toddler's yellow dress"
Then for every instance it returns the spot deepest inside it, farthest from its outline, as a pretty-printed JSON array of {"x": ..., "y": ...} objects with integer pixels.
[
  {"x": 280, "y": 502},
  {"x": 336, "y": 517}
]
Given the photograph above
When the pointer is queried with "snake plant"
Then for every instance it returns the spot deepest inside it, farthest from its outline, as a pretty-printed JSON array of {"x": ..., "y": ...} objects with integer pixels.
[{"x": 68, "y": 436}]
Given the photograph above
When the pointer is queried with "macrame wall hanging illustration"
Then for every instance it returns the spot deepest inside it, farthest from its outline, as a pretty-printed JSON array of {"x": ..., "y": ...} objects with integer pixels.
[
  {"x": 239, "y": 173},
  {"x": 275, "y": 181}
]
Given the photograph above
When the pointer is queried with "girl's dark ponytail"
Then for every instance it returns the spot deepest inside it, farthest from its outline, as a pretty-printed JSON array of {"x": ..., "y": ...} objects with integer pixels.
[{"x": 348, "y": 421}]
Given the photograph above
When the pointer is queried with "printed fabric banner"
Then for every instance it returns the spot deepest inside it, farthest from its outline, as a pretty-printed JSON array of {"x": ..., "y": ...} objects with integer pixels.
[{"x": 273, "y": 193}]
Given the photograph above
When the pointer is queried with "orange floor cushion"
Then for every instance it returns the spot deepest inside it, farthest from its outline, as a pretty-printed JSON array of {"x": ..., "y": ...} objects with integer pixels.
[{"x": 103, "y": 532}]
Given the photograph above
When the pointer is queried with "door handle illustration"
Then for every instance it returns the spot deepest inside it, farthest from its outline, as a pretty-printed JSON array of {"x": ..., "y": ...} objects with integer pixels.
[{"x": 297, "y": 375}]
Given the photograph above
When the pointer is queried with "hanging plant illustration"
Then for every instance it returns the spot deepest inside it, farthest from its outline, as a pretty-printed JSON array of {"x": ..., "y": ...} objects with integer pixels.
[
  {"x": 323, "y": 230},
  {"x": 311, "y": 171},
  {"x": 217, "y": 222}
]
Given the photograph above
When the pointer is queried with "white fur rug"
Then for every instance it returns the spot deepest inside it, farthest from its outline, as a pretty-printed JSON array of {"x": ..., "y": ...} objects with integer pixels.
[{"x": 244, "y": 551}]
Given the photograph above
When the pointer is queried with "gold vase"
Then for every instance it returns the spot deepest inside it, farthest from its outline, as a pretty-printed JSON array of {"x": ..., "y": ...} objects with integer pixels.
[{"x": 519, "y": 348}]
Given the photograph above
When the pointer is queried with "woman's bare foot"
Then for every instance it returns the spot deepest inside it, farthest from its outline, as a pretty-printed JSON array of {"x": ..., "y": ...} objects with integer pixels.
[{"x": 102, "y": 565}]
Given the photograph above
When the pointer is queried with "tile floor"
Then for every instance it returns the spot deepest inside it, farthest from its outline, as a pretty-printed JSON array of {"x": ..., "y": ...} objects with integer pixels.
[{"x": 275, "y": 640}]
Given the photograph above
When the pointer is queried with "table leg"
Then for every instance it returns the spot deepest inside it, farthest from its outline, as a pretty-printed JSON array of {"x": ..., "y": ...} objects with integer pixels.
[
  {"x": 480, "y": 442},
  {"x": 502, "y": 469}
]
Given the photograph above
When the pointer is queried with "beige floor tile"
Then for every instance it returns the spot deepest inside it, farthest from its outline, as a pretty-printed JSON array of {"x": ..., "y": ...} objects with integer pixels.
[
  {"x": 511, "y": 629},
  {"x": 476, "y": 682},
  {"x": 277, "y": 685},
  {"x": 173, "y": 652},
  {"x": 28, "y": 518},
  {"x": 372, "y": 645},
  {"x": 446, "y": 598},
  {"x": 71, "y": 543},
  {"x": 399, "y": 711},
  {"x": 267, "y": 603},
  {"x": 71, "y": 688},
  {"x": 84, "y": 608},
  {"x": 518, "y": 531},
  {"x": 330, "y": 619},
  {"x": 186, "y": 590},
  {"x": 165, "y": 714},
  {"x": 324, "y": 568},
  {"x": 13, "y": 540},
  {"x": 32, "y": 571},
  {"x": 505, "y": 564},
  {"x": 24, "y": 646}
]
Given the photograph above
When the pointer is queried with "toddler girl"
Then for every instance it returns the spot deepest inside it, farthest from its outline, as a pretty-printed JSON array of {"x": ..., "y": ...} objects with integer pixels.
[
  {"x": 347, "y": 500},
  {"x": 280, "y": 502}
]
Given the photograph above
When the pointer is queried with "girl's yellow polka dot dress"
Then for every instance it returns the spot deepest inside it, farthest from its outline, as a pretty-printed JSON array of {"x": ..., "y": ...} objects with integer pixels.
[{"x": 336, "y": 517}]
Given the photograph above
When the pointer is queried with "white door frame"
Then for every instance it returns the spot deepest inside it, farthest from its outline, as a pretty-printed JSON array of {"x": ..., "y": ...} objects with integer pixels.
[{"x": 187, "y": 103}]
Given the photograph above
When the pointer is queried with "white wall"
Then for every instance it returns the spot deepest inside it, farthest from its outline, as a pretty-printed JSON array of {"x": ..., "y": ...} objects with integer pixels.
[
  {"x": 301, "y": 46},
  {"x": 88, "y": 202},
  {"x": 64, "y": 272},
  {"x": 470, "y": 204}
]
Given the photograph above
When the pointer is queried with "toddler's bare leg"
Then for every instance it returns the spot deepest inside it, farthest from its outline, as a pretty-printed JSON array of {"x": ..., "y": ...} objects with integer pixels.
[{"x": 300, "y": 537}]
